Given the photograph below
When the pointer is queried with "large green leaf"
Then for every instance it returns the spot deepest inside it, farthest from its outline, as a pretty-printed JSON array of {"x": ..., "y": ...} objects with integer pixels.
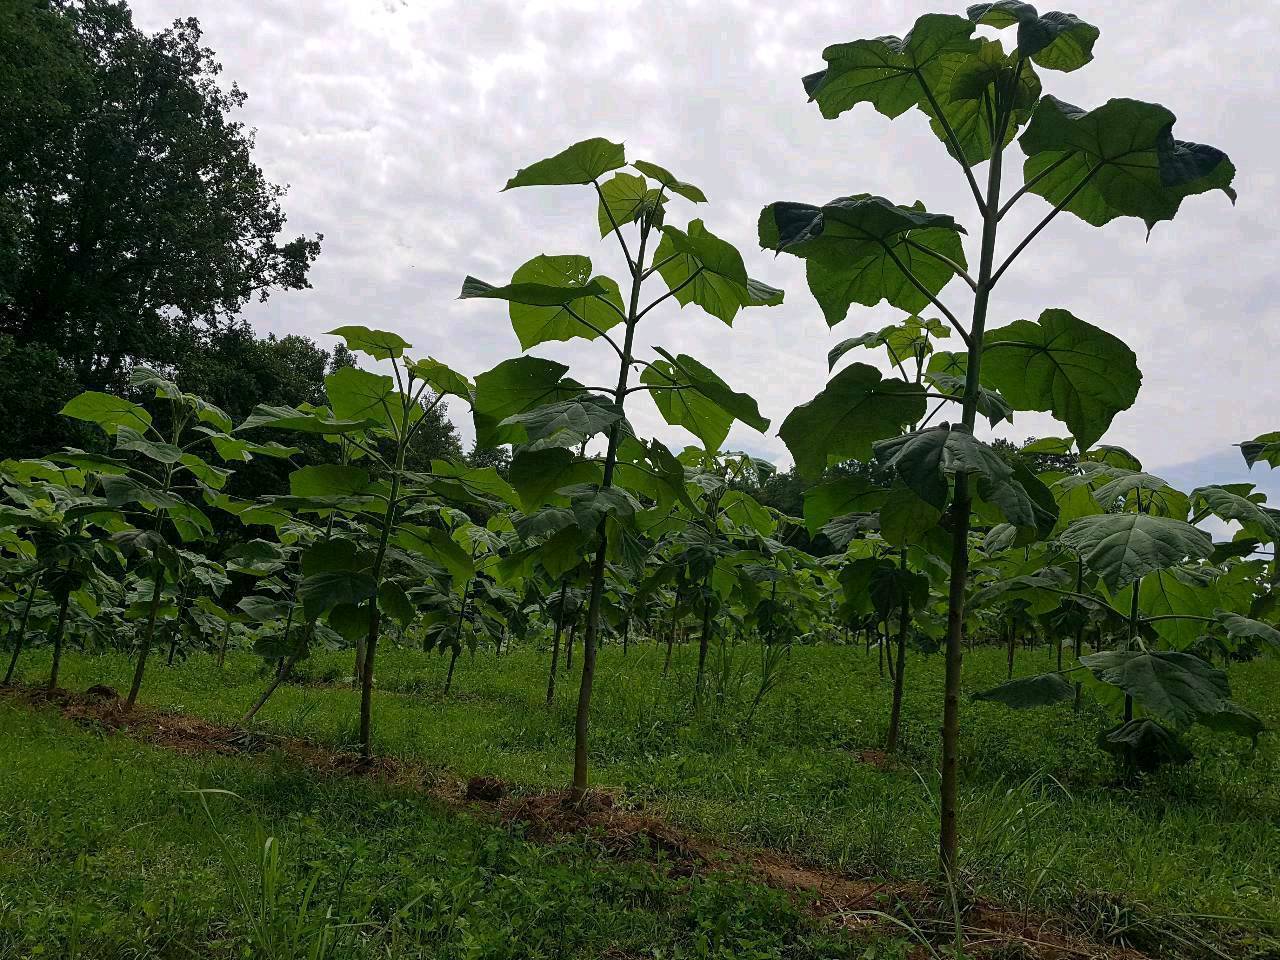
[
  {"x": 1084, "y": 376},
  {"x": 320, "y": 592},
  {"x": 555, "y": 298},
  {"x": 581, "y": 163},
  {"x": 436, "y": 545},
  {"x": 1177, "y": 687},
  {"x": 442, "y": 378},
  {"x": 329, "y": 480},
  {"x": 888, "y": 72},
  {"x": 564, "y": 424},
  {"x": 356, "y": 394},
  {"x": 836, "y": 498},
  {"x": 107, "y": 411},
  {"x": 1245, "y": 628},
  {"x": 691, "y": 395},
  {"x": 624, "y": 198},
  {"x": 668, "y": 180},
  {"x": 905, "y": 518},
  {"x": 379, "y": 344},
  {"x": 1121, "y": 547},
  {"x": 1238, "y": 502},
  {"x": 299, "y": 421},
  {"x": 1041, "y": 691},
  {"x": 925, "y": 460},
  {"x": 967, "y": 89},
  {"x": 1176, "y": 592},
  {"x": 1118, "y": 160},
  {"x": 516, "y": 386},
  {"x": 1264, "y": 448},
  {"x": 856, "y": 408},
  {"x": 1144, "y": 744},
  {"x": 864, "y": 249},
  {"x": 538, "y": 474},
  {"x": 699, "y": 267},
  {"x": 1055, "y": 41}
]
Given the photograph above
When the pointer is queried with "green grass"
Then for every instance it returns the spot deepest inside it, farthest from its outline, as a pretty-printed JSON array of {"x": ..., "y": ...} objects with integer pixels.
[
  {"x": 104, "y": 853},
  {"x": 1044, "y": 823}
]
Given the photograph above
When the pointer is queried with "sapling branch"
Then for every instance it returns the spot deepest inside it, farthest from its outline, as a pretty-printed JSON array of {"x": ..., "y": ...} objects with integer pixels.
[
  {"x": 958, "y": 270},
  {"x": 953, "y": 142},
  {"x": 1061, "y": 205},
  {"x": 915, "y": 282},
  {"x": 672, "y": 292},
  {"x": 617, "y": 231},
  {"x": 1026, "y": 187},
  {"x": 593, "y": 328}
]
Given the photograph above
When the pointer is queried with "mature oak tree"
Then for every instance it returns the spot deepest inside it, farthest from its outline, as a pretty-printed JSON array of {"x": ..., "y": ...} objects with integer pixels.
[{"x": 134, "y": 224}]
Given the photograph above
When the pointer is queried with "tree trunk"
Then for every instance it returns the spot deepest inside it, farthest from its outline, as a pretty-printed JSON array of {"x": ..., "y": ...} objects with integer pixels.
[
  {"x": 555, "y": 645},
  {"x": 704, "y": 638},
  {"x": 453, "y": 659},
  {"x": 282, "y": 672},
  {"x": 147, "y": 636},
  {"x": 222, "y": 648},
  {"x": 58, "y": 633},
  {"x": 895, "y": 713},
  {"x": 22, "y": 632},
  {"x": 671, "y": 634},
  {"x": 568, "y": 650},
  {"x": 1011, "y": 648},
  {"x": 626, "y": 635}
]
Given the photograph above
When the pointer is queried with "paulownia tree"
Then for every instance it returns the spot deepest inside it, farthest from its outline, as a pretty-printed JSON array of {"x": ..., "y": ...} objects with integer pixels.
[
  {"x": 1117, "y": 160},
  {"x": 528, "y": 402}
]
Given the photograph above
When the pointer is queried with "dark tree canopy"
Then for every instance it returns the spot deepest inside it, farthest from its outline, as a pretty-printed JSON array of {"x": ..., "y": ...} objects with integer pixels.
[{"x": 134, "y": 224}]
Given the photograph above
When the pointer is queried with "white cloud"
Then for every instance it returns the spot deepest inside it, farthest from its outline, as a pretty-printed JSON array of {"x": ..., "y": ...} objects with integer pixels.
[{"x": 397, "y": 121}]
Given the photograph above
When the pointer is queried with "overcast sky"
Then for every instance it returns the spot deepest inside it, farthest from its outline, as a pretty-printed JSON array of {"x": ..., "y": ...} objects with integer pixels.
[{"x": 396, "y": 122}]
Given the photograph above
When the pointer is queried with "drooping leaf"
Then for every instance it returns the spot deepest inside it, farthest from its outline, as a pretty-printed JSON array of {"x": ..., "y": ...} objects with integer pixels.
[
  {"x": 1144, "y": 744},
  {"x": 107, "y": 411},
  {"x": 905, "y": 518},
  {"x": 856, "y": 408},
  {"x": 1121, "y": 547},
  {"x": 1177, "y": 687},
  {"x": 581, "y": 163},
  {"x": 564, "y": 424},
  {"x": 1263, "y": 448},
  {"x": 1244, "y": 628},
  {"x": 925, "y": 460},
  {"x": 436, "y": 545},
  {"x": 624, "y": 198},
  {"x": 538, "y": 474},
  {"x": 320, "y": 592},
  {"x": 1084, "y": 376},
  {"x": 394, "y": 602},
  {"x": 379, "y": 344},
  {"x": 329, "y": 480},
  {"x": 300, "y": 421},
  {"x": 555, "y": 298},
  {"x": 1118, "y": 160},
  {"x": 836, "y": 498},
  {"x": 1236, "y": 504},
  {"x": 668, "y": 180},
  {"x": 356, "y": 394},
  {"x": 887, "y": 72},
  {"x": 691, "y": 395},
  {"x": 1055, "y": 41},
  {"x": 442, "y": 378},
  {"x": 864, "y": 249},
  {"x": 516, "y": 386},
  {"x": 1026, "y": 692},
  {"x": 698, "y": 267}
]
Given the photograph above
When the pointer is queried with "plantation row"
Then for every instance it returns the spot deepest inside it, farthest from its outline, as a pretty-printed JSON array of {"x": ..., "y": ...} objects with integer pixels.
[{"x": 941, "y": 538}]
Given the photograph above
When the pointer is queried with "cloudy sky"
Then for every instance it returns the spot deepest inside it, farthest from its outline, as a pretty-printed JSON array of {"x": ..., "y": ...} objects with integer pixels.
[{"x": 396, "y": 122}]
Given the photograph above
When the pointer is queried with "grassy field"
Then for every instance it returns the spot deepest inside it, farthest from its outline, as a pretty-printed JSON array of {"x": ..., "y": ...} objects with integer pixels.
[{"x": 1185, "y": 862}]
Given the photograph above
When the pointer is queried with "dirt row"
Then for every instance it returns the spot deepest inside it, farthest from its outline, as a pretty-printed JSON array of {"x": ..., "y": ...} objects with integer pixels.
[{"x": 860, "y": 905}]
